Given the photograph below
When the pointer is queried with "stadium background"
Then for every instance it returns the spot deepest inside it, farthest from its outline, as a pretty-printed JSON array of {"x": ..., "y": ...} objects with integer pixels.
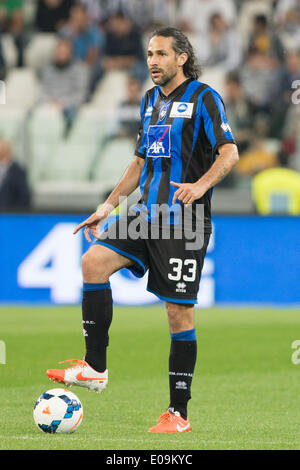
[
  {"x": 73, "y": 82},
  {"x": 68, "y": 148}
]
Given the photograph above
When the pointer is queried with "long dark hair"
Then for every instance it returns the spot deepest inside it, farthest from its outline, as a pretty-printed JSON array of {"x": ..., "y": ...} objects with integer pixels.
[{"x": 181, "y": 44}]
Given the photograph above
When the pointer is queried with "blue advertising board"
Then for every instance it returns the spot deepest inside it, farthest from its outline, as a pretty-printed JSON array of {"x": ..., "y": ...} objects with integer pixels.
[{"x": 250, "y": 260}]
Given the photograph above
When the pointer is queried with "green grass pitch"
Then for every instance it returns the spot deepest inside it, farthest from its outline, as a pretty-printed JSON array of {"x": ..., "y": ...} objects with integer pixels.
[{"x": 245, "y": 393}]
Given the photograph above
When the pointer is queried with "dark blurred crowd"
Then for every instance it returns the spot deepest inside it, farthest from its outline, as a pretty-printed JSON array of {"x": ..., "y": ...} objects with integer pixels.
[{"x": 257, "y": 52}]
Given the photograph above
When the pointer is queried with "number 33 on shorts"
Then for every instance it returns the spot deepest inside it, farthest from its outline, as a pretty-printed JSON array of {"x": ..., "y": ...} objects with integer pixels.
[{"x": 189, "y": 266}]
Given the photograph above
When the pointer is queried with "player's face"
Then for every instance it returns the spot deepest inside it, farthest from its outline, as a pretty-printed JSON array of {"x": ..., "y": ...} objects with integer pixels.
[{"x": 162, "y": 61}]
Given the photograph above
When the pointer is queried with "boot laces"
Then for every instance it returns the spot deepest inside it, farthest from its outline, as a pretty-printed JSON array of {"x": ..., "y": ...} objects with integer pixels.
[
  {"x": 166, "y": 416},
  {"x": 75, "y": 363}
]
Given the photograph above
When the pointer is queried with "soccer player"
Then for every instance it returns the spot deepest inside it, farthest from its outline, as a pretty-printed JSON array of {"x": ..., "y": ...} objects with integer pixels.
[{"x": 184, "y": 148}]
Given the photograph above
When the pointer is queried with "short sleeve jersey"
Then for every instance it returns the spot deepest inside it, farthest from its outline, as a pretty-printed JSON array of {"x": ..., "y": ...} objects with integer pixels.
[{"x": 179, "y": 138}]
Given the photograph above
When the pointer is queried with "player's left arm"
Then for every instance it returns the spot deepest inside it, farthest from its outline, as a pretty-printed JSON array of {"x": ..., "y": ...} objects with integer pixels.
[
  {"x": 187, "y": 193},
  {"x": 218, "y": 133}
]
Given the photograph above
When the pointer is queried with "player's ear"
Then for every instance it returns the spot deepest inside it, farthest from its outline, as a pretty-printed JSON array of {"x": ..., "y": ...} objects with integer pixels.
[{"x": 182, "y": 59}]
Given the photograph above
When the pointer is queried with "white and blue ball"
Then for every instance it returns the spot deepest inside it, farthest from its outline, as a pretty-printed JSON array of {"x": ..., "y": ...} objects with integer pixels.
[{"x": 58, "y": 411}]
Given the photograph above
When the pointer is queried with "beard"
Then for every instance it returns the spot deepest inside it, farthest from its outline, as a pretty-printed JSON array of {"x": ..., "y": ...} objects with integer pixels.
[{"x": 164, "y": 78}]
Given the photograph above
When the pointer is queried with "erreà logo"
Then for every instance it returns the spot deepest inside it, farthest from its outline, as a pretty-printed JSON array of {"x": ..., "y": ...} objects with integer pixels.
[
  {"x": 181, "y": 287},
  {"x": 149, "y": 111},
  {"x": 226, "y": 127}
]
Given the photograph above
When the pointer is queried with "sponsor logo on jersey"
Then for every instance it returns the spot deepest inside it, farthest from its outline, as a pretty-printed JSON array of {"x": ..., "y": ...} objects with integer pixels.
[
  {"x": 180, "y": 109},
  {"x": 159, "y": 141}
]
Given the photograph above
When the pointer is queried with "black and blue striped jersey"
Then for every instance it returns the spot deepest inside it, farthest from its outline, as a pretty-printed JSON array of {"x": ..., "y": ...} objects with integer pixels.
[{"x": 179, "y": 138}]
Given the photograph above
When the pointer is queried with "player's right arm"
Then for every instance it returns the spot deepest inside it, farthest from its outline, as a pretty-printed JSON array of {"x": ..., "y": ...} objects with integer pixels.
[{"x": 127, "y": 184}]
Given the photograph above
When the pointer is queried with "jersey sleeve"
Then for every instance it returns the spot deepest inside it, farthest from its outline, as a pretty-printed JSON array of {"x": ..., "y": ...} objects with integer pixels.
[
  {"x": 140, "y": 148},
  {"x": 216, "y": 126}
]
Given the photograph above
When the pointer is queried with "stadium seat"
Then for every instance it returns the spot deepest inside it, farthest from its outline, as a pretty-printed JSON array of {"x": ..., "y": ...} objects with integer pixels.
[
  {"x": 11, "y": 121},
  {"x": 215, "y": 78},
  {"x": 45, "y": 131},
  {"x": 22, "y": 87},
  {"x": 277, "y": 190},
  {"x": 113, "y": 161},
  {"x": 110, "y": 91},
  {"x": 12, "y": 128},
  {"x": 67, "y": 195},
  {"x": 90, "y": 124},
  {"x": 71, "y": 162},
  {"x": 40, "y": 50}
]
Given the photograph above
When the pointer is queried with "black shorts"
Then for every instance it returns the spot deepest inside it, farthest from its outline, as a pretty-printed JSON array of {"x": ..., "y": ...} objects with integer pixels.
[{"x": 174, "y": 269}]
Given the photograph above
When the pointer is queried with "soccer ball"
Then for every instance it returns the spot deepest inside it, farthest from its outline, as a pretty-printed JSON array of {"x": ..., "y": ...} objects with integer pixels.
[{"x": 58, "y": 411}]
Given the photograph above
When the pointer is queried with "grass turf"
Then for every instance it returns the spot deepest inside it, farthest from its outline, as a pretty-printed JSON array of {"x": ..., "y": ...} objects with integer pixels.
[{"x": 245, "y": 390}]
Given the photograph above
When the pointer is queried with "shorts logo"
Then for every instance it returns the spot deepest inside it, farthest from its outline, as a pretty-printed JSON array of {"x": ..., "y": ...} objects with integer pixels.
[
  {"x": 181, "y": 287},
  {"x": 184, "y": 110},
  {"x": 159, "y": 141}
]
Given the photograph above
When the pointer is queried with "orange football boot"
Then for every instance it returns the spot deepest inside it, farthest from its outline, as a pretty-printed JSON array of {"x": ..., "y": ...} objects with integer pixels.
[
  {"x": 81, "y": 374},
  {"x": 171, "y": 422}
]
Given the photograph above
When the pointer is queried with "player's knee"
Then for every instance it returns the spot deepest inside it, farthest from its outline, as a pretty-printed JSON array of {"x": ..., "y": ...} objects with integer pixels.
[
  {"x": 87, "y": 263},
  {"x": 181, "y": 316},
  {"x": 93, "y": 264},
  {"x": 173, "y": 311}
]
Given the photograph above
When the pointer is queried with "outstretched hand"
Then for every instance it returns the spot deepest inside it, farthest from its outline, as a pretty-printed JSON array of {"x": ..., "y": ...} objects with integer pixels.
[{"x": 92, "y": 223}]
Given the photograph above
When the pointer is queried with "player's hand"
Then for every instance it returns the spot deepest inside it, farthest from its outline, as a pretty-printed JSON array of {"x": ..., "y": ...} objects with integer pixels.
[
  {"x": 187, "y": 193},
  {"x": 92, "y": 223}
]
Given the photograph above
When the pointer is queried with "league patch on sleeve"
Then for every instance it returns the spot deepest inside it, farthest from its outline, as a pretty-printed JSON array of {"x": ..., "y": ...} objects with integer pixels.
[{"x": 159, "y": 141}]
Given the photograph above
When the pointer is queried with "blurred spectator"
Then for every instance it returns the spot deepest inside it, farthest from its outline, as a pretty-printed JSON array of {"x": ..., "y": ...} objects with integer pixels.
[
  {"x": 65, "y": 82},
  {"x": 127, "y": 7},
  {"x": 290, "y": 107},
  {"x": 260, "y": 155},
  {"x": 14, "y": 190},
  {"x": 287, "y": 14},
  {"x": 153, "y": 14},
  {"x": 260, "y": 77},
  {"x": 195, "y": 14},
  {"x": 264, "y": 39},
  {"x": 287, "y": 19},
  {"x": 291, "y": 73},
  {"x": 12, "y": 21},
  {"x": 87, "y": 40},
  {"x": 221, "y": 46},
  {"x": 124, "y": 47},
  {"x": 94, "y": 10},
  {"x": 238, "y": 111},
  {"x": 128, "y": 112},
  {"x": 289, "y": 79},
  {"x": 51, "y": 15},
  {"x": 289, "y": 154}
]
